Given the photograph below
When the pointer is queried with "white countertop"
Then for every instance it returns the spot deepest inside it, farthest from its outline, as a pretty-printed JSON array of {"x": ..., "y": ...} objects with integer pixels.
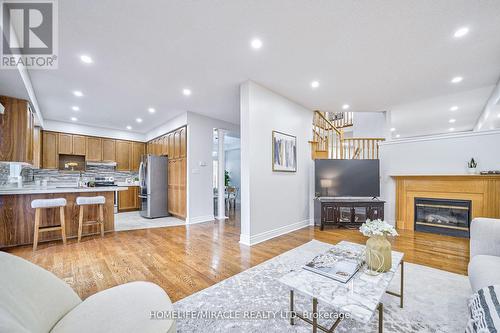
[
  {"x": 54, "y": 189},
  {"x": 127, "y": 184}
]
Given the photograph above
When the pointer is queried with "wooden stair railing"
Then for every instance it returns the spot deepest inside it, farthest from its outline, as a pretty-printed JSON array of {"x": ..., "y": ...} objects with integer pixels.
[
  {"x": 361, "y": 148},
  {"x": 329, "y": 142}
]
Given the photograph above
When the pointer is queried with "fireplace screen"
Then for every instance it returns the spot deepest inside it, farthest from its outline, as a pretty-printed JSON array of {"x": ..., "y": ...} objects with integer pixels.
[{"x": 443, "y": 216}]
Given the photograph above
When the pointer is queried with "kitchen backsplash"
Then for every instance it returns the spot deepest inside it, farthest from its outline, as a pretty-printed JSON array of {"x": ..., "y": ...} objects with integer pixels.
[
  {"x": 4, "y": 173},
  {"x": 57, "y": 177}
]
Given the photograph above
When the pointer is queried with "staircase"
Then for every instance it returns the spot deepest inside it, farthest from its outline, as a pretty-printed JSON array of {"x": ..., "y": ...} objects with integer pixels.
[{"x": 329, "y": 141}]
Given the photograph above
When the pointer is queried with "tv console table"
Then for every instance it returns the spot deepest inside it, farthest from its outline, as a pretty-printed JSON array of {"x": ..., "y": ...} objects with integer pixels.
[{"x": 346, "y": 212}]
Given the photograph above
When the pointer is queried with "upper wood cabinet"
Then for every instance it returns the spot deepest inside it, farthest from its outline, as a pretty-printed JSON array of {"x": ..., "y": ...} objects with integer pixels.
[
  {"x": 123, "y": 152},
  {"x": 50, "y": 156},
  {"x": 37, "y": 148},
  {"x": 72, "y": 144},
  {"x": 17, "y": 125},
  {"x": 94, "y": 149},
  {"x": 108, "y": 150},
  {"x": 79, "y": 145},
  {"x": 65, "y": 144},
  {"x": 138, "y": 149}
]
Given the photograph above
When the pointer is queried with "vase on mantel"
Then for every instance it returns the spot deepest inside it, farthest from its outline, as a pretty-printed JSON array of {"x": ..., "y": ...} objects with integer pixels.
[{"x": 378, "y": 254}]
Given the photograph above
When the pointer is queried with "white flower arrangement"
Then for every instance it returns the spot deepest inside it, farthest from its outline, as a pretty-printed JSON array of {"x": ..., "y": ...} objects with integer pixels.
[{"x": 377, "y": 228}]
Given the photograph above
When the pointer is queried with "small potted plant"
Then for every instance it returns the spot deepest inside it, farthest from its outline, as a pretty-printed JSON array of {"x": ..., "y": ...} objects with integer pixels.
[
  {"x": 471, "y": 166},
  {"x": 378, "y": 248}
]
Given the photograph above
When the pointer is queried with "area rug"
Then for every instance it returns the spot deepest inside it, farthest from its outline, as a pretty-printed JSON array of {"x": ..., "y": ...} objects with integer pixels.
[
  {"x": 134, "y": 221},
  {"x": 435, "y": 301}
]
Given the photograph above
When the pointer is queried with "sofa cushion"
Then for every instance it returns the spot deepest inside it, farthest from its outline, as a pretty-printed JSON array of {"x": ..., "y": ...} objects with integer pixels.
[
  {"x": 484, "y": 311},
  {"x": 31, "y": 298},
  {"x": 484, "y": 271},
  {"x": 125, "y": 308}
]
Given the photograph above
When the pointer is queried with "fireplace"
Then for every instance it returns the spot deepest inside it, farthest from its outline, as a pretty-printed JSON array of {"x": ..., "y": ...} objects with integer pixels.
[{"x": 443, "y": 216}]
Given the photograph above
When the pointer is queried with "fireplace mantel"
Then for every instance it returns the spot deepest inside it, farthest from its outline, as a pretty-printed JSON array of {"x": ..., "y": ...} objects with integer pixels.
[{"x": 482, "y": 190}]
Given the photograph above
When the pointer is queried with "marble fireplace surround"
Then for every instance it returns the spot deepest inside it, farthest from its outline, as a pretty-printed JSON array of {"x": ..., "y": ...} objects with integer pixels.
[{"x": 482, "y": 190}]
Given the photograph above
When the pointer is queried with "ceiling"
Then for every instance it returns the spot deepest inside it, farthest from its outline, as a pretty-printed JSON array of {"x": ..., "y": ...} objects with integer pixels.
[{"x": 396, "y": 55}]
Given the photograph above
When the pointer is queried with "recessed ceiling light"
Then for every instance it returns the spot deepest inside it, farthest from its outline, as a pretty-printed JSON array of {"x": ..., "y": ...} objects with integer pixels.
[
  {"x": 139, "y": 120},
  {"x": 256, "y": 43},
  {"x": 498, "y": 115},
  {"x": 454, "y": 108},
  {"x": 457, "y": 79},
  {"x": 77, "y": 93},
  {"x": 186, "y": 92},
  {"x": 129, "y": 127},
  {"x": 86, "y": 59},
  {"x": 75, "y": 108},
  {"x": 315, "y": 84},
  {"x": 74, "y": 119},
  {"x": 451, "y": 121},
  {"x": 151, "y": 110},
  {"x": 461, "y": 32},
  {"x": 345, "y": 106},
  {"x": 393, "y": 129},
  {"x": 398, "y": 136},
  {"x": 451, "y": 129}
]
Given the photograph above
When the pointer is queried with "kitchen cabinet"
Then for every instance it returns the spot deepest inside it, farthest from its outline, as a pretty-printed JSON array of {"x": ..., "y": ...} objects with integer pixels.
[
  {"x": 65, "y": 144},
  {"x": 128, "y": 200},
  {"x": 174, "y": 145},
  {"x": 123, "y": 152},
  {"x": 79, "y": 145},
  {"x": 17, "y": 125},
  {"x": 108, "y": 150},
  {"x": 94, "y": 149},
  {"x": 71, "y": 144},
  {"x": 37, "y": 148},
  {"x": 138, "y": 149},
  {"x": 50, "y": 157}
]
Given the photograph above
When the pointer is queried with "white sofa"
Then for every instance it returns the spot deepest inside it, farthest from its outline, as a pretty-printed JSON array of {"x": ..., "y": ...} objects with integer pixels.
[
  {"x": 33, "y": 300},
  {"x": 484, "y": 265}
]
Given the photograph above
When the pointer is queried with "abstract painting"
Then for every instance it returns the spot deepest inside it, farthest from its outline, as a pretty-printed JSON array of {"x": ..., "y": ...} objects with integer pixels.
[{"x": 284, "y": 152}]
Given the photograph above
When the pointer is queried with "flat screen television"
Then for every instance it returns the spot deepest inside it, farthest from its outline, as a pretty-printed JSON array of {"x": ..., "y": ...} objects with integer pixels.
[{"x": 347, "y": 178}]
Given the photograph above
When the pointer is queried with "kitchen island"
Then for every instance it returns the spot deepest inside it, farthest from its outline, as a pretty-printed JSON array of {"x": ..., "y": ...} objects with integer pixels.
[{"x": 17, "y": 218}]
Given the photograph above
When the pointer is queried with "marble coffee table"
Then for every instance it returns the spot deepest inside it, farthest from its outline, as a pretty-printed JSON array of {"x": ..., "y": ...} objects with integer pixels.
[{"x": 359, "y": 298}]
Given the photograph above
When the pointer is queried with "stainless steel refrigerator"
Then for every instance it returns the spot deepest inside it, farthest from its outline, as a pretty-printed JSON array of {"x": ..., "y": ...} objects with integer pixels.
[{"x": 153, "y": 183}]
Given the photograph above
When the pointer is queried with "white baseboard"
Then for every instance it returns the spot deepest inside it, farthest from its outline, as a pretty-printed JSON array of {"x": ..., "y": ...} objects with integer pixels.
[
  {"x": 200, "y": 219},
  {"x": 263, "y": 236}
]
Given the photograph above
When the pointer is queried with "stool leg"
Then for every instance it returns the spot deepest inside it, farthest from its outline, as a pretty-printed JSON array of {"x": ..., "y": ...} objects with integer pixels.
[
  {"x": 37, "y": 225},
  {"x": 101, "y": 219},
  {"x": 63, "y": 224},
  {"x": 80, "y": 223}
]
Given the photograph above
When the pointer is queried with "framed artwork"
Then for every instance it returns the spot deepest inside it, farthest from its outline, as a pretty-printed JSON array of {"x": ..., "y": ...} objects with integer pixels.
[{"x": 284, "y": 152}]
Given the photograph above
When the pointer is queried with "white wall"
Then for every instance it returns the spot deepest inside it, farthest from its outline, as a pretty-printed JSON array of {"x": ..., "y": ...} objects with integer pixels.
[
  {"x": 200, "y": 167},
  {"x": 369, "y": 125},
  {"x": 435, "y": 155},
  {"x": 169, "y": 126},
  {"x": 58, "y": 126},
  {"x": 273, "y": 203}
]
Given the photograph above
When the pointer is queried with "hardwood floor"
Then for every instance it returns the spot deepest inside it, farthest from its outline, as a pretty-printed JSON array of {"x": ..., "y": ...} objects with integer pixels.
[{"x": 184, "y": 260}]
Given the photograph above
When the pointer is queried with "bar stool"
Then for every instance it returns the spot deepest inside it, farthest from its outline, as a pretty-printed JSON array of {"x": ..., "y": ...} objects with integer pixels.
[
  {"x": 87, "y": 201},
  {"x": 40, "y": 204}
]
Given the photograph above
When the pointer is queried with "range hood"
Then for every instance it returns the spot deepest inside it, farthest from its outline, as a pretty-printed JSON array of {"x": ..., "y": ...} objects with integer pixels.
[{"x": 108, "y": 163}]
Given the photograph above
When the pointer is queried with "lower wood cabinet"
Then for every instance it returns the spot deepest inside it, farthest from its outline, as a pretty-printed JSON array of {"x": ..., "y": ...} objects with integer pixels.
[{"x": 129, "y": 200}]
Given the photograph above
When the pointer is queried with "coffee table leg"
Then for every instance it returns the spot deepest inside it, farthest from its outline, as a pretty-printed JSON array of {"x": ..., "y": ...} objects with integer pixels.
[
  {"x": 402, "y": 283},
  {"x": 292, "y": 313},
  {"x": 315, "y": 315},
  {"x": 380, "y": 317}
]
